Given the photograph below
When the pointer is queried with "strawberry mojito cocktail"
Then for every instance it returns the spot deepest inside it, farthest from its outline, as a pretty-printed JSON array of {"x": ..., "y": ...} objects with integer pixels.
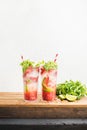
[
  {"x": 30, "y": 79},
  {"x": 49, "y": 80}
]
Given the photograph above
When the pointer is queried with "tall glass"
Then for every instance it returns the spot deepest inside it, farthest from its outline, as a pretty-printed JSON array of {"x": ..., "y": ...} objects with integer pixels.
[
  {"x": 30, "y": 79},
  {"x": 49, "y": 81}
]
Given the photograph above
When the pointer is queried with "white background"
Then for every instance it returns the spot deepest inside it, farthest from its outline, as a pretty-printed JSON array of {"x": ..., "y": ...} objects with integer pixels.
[{"x": 38, "y": 29}]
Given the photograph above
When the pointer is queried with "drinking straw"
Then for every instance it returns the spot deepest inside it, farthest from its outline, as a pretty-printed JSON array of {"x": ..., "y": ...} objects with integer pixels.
[
  {"x": 56, "y": 57},
  {"x": 22, "y": 58}
]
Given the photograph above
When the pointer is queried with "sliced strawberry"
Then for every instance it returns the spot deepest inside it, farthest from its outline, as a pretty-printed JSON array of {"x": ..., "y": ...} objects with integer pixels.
[
  {"x": 48, "y": 96},
  {"x": 30, "y": 95},
  {"x": 34, "y": 79},
  {"x": 46, "y": 80},
  {"x": 29, "y": 70},
  {"x": 42, "y": 70}
]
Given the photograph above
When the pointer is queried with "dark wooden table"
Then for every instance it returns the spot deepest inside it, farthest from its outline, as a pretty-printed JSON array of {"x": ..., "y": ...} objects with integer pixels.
[
  {"x": 43, "y": 124},
  {"x": 16, "y": 113}
]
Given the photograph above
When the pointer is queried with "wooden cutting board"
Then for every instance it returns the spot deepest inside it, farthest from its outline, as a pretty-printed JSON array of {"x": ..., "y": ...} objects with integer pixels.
[{"x": 13, "y": 105}]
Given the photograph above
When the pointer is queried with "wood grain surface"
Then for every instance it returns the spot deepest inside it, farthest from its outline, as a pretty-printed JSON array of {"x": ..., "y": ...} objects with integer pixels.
[{"x": 13, "y": 105}]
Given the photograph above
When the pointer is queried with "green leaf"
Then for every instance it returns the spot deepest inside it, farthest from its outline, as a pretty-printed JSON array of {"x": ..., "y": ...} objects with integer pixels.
[
  {"x": 50, "y": 65},
  {"x": 27, "y": 63},
  {"x": 72, "y": 88}
]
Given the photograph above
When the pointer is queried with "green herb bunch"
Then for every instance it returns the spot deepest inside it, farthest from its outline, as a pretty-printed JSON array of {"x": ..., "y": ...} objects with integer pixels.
[
  {"x": 46, "y": 65},
  {"x": 50, "y": 65},
  {"x": 74, "y": 90},
  {"x": 27, "y": 63}
]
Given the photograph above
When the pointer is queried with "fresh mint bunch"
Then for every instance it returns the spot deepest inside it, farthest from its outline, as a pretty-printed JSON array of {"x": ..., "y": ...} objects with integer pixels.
[
  {"x": 75, "y": 88},
  {"x": 50, "y": 65},
  {"x": 27, "y": 63},
  {"x": 46, "y": 65}
]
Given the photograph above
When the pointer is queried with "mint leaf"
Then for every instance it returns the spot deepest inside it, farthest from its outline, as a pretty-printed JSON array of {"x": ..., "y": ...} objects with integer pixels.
[
  {"x": 27, "y": 63},
  {"x": 50, "y": 65},
  {"x": 75, "y": 88}
]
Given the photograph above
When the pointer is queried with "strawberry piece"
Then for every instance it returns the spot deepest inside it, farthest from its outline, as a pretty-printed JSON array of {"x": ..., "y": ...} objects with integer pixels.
[
  {"x": 48, "y": 96},
  {"x": 42, "y": 70},
  {"x": 29, "y": 70},
  {"x": 46, "y": 80},
  {"x": 34, "y": 79},
  {"x": 30, "y": 95}
]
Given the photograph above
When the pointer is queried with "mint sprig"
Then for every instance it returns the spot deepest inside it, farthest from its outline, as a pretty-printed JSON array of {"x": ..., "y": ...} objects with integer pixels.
[
  {"x": 70, "y": 87},
  {"x": 46, "y": 65},
  {"x": 27, "y": 63},
  {"x": 50, "y": 65}
]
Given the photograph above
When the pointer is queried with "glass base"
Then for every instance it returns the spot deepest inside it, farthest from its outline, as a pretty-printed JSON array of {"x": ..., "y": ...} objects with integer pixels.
[{"x": 30, "y": 100}]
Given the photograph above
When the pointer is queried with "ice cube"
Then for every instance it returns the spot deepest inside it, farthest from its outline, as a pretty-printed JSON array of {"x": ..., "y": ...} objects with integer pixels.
[{"x": 33, "y": 74}]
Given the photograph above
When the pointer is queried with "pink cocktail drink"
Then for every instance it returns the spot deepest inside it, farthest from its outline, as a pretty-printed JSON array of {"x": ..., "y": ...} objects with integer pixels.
[
  {"x": 30, "y": 80},
  {"x": 49, "y": 81}
]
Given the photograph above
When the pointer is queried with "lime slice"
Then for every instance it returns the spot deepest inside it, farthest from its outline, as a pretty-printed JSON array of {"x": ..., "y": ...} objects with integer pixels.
[
  {"x": 26, "y": 89},
  {"x": 71, "y": 98},
  {"x": 47, "y": 89},
  {"x": 62, "y": 97},
  {"x": 44, "y": 82}
]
